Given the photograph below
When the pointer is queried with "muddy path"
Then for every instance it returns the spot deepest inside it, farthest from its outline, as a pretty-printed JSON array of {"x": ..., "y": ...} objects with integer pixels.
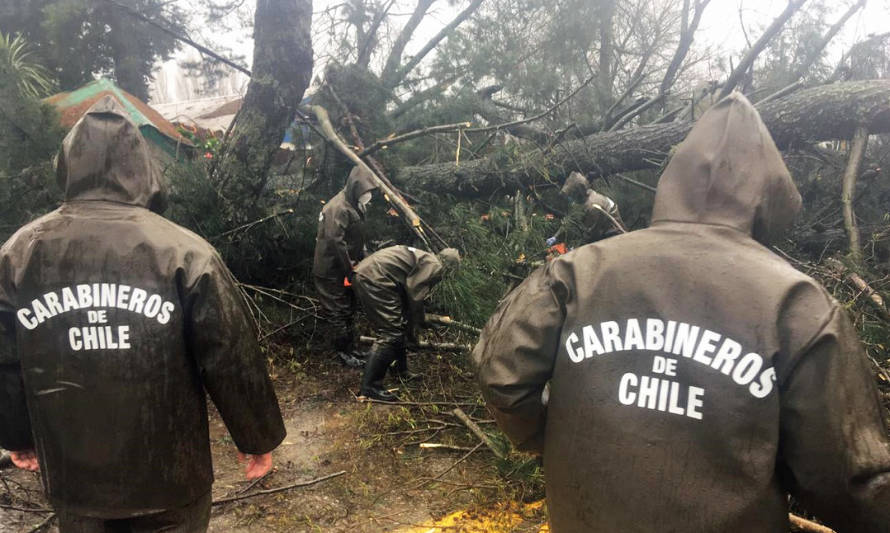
[{"x": 391, "y": 483}]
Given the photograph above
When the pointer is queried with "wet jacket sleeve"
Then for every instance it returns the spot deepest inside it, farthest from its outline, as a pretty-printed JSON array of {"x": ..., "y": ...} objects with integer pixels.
[
  {"x": 224, "y": 344},
  {"x": 15, "y": 424},
  {"x": 335, "y": 230},
  {"x": 834, "y": 454},
  {"x": 515, "y": 356},
  {"x": 419, "y": 285}
]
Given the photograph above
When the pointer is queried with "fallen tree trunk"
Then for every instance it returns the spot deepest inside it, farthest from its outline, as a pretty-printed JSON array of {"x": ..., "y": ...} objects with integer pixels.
[{"x": 811, "y": 115}]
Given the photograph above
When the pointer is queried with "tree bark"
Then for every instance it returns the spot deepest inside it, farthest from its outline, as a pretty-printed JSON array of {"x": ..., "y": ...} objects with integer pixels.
[
  {"x": 282, "y": 69},
  {"x": 811, "y": 115},
  {"x": 857, "y": 152}
]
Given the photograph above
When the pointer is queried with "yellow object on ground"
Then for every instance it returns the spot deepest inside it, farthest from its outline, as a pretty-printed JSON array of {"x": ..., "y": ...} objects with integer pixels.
[{"x": 502, "y": 518}]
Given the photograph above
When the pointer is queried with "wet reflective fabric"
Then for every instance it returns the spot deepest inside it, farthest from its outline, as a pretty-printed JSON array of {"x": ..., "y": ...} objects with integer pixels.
[
  {"x": 120, "y": 323},
  {"x": 696, "y": 378}
]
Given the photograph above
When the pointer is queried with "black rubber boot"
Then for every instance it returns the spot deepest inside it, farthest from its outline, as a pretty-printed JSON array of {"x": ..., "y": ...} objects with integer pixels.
[
  {"x": 349, "y": 359},
  {"x": 375, "y": 370},
  {"x": 360, "y": 355},
  {"x": 399, "y": 369}
]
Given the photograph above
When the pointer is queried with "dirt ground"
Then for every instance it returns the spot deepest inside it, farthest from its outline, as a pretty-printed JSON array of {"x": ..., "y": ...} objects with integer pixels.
[{"x": 391, "y": 483}]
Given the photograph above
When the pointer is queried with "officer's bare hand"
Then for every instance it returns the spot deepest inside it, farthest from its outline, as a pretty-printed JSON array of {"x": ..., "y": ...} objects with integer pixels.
[
  {"x": 26, "y": 460},
  {"x": 257, "y": 465}
]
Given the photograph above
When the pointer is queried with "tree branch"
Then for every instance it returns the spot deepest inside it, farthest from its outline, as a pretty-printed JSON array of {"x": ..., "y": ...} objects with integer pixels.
[
  {"x": 392, "y": 196},
  {"x": 203, "y": 49},
  {"x": 395, "y": 55},
  {"x": 736, "y": 75},
  {"x": 445, "y": 32},
  {"x": 829, "y": 35},
  {"x": 687, "y": 34},
  {"x": 280, "y": 489},
  {"x": 535, "y": 117},
  {"x": 424, "y": 95},
  {"x": 366, "y": 48},
  {"x": 413, "y": 135}
]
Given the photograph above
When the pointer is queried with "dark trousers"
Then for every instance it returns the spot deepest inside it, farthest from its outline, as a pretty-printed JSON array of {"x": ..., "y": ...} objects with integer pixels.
[
  {"x": 384, "y": 306},
  {"x": 193, "y": 518},
  {"x": 337, "y": 307}
]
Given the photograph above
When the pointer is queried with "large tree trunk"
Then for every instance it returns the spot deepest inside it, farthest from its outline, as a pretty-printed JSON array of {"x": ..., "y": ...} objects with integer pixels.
[
  {"x": 282, "y": 69},
  {"x": 811, "y": 115}
]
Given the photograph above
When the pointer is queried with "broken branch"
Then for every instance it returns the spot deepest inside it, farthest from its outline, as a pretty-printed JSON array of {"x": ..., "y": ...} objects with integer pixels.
[
  {"x": 535, "y": 117},
  {"x": 280, "y": 489},
  {"x": 462, "y": 416},
  {"x": 448, "y": 321},
  {"x": 758, "y": 47},
  {"x": 873, "y": 297},
  {"x": 412, "y": 135},
  {"x": 424, "y": 345},
  {"x": 392, "y": 196}
]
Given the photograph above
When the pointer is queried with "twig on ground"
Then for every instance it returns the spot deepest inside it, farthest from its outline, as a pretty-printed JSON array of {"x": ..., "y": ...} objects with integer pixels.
[
  {"x": 280, "y": 489},
  {"x": 448, "y": 321},
  {"x": 253, "y": 483},
  {"x": 417, "y": 404},
  {"x": 462, "y": 416},
  {"x": 26, "y": 509},
  {"x": 873, "y": 297},
  {"x": 449, "y": 469},
  {"x": 444, "y": 346},
  {"x": 46, "y": 521},
  {"x": 440, "y": 446}
]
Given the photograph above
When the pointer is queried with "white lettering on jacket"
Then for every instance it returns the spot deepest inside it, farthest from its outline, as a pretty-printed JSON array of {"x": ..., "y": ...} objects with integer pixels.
[
  {"x": 702, "y": 346},
  {"x": 96, "y": 300}
]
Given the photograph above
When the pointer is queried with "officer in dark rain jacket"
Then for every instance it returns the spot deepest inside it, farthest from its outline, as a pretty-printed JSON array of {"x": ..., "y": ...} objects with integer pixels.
[
  {"x": 696, "y": 378},
  {"x": 601, "y": 217},
  {"x": 339, "y": 246},
  {"x": 392, "y": 285},
  {"x": 113, "y": 324}
]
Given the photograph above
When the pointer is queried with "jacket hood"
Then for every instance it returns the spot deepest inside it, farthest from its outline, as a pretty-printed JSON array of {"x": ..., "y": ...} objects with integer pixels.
[
  {"x": 729, "y": 172},
  {"x": 105, "y": 157},
  {"x": 358, "y": 183}
]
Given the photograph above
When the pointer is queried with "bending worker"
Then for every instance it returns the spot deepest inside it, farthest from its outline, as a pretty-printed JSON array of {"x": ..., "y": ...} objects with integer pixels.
[
  {"x": 339, "y": 246},
  {"x": 392, "y": 285},
  {"x": 113, "y": 324},
  {"x": 600, "y": 217},
  {"x": 696, "y": 378}
]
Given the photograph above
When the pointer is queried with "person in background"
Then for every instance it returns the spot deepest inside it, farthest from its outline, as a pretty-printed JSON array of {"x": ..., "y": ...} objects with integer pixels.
[
  {"x": 339, "y": 246},
  {"x": 696, "y": 378},
  {"x": 114, "y": 325},
  {"x": 392, "y": 285},
  {"x": 600, "y": 215}
]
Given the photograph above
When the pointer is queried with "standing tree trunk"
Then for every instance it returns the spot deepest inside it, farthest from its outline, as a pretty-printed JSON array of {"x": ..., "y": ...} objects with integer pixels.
[
  {"x": 282, "y": 69},
  {"x": 857, "y": 152},
  {"x": 604, "y": 75}
]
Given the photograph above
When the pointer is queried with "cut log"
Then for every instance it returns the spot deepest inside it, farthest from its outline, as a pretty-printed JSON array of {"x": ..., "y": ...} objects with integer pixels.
[
  {"x": 807, "y": 526},
  {"x": 810, "y": 115}
]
